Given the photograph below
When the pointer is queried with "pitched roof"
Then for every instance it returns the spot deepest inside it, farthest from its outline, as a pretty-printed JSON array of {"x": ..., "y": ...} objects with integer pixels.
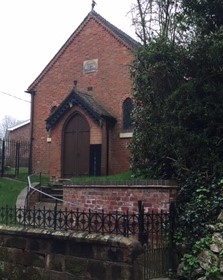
[
  {"x": 121, "y": 36},
  {"x": 18, "y": 125},
  {"x": 86, "y": 102}
]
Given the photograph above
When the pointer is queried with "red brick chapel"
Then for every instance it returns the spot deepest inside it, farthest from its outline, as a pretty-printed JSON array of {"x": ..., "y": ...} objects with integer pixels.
[{"x": 81, "y": 104}]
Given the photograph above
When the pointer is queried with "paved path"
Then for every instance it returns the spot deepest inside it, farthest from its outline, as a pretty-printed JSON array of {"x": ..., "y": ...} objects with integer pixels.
[
  {"x": 21, "y": 199},
  {"x": 21, "y": 202}
]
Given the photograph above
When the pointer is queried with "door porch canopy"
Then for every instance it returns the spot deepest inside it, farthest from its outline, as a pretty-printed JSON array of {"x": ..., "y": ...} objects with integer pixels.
[{"x": 84, "y": 101}]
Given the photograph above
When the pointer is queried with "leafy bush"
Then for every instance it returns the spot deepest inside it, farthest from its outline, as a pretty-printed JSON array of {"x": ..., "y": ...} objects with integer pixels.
[
  {"x": 190, "y": 262},
  {"x": 200, "y": 200}
]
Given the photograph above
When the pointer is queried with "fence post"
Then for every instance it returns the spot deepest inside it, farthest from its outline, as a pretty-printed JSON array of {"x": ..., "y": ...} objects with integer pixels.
[
  {"x": 55, "y": 216},
  {"x": 3, "y": 157},
  {"x": 142, "y": 236},
  {"x": 126, "y": 224},
  {"x": 17, "y": 158},
  {"x": 172, "y": 253}
]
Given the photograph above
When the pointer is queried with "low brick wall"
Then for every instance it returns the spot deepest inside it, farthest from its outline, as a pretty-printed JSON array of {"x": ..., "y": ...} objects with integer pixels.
[
  {"x": 34, "y": 254},
  {"x": 155, "y": 197}
]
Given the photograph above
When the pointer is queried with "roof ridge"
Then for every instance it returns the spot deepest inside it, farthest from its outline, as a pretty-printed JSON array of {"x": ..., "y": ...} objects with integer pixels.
[
  {"x": 85, "y": 93},
  {"x": 127, "y": 39}
]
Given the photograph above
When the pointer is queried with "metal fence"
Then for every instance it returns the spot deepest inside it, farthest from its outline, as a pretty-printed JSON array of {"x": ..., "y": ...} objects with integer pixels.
[
  {"x": 14, "y": 155},
  {"x": 117, "y": 223}
]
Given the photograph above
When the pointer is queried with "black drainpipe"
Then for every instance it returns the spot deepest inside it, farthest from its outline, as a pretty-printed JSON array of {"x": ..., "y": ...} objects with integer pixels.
[
  {"x": 107, "y": 149},
  {"x": 32, "y": 92}
]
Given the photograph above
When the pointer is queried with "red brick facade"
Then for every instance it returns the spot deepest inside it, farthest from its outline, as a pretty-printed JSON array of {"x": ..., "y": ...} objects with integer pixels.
[{"x": 109, "y": 84}]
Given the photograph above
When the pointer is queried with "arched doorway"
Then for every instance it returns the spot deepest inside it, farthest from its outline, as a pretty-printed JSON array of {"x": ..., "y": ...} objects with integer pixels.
[{"x": 76, "y": 147}]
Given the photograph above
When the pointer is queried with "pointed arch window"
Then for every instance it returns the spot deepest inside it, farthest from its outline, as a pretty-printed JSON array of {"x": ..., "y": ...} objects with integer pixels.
[{"x": 127, "y": 108}]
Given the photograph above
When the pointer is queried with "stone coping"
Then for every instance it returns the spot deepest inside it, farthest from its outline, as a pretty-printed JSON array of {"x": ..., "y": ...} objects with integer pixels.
[
  {"x": 134, "y": 182},
  {"x": 112, "y": 240},
  {"x": 84, "y": 185}
]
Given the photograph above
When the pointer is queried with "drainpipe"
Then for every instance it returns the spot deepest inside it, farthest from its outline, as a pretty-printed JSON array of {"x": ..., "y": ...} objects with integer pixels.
[
  {"x": 32, "y": 92},
  {"x": 107, "y": 149}
]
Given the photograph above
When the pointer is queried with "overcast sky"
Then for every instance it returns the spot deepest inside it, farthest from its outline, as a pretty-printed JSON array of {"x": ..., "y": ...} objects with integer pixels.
[{"x": 31, "y": 33}]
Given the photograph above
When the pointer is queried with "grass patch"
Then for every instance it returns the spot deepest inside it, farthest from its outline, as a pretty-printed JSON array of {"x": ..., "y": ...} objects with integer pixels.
[
  {"x": 11, "y": 172},
  {"x": 9, "y": 191},
  {"x": 23, "y": 174},
  {"x": 37, "y": 178},
  {"x": 120, "y": 177}
]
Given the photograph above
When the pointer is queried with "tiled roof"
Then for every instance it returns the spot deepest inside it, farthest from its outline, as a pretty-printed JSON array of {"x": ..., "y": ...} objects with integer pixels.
[
  {"x": 84, "y": 101},
  {"x": 118, "y": 34}
]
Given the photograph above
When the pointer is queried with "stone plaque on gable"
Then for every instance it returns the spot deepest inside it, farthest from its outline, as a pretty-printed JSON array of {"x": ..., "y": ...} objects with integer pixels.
[{"x": 90, "y": 66}]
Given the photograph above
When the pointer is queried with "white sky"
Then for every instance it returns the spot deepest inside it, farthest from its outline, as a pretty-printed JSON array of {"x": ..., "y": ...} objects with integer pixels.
[{"x": 31, "y": 33}]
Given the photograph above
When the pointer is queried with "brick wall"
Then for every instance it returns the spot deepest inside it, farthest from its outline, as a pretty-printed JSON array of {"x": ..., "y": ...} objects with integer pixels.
[
  {"x": 110, "y": 83},
  {"x": 120, "y": 197}
]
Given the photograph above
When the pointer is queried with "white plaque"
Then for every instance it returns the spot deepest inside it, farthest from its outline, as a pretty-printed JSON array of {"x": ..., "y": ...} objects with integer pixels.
[{"x": 90, "y": 66}]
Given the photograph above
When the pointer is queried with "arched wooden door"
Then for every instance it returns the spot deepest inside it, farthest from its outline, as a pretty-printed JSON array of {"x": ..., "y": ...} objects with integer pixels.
[{"x": 76, "y": 146}]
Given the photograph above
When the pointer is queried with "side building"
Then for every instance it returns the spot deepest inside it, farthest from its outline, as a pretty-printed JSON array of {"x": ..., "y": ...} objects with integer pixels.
[{"x": 19, "y": 133}]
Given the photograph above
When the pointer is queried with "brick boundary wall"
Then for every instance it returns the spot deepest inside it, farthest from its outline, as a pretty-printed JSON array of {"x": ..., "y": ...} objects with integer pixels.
[
  {"x": 121, "y": 198},
  {"x": 44, "y": 254}
]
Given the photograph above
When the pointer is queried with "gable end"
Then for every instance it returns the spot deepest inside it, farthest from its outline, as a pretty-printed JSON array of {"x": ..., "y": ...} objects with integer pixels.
[{"x": 121, "y": 36}]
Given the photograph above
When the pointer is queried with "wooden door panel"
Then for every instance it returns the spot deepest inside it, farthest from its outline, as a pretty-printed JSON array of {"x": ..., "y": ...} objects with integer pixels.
[
  {"x": 83, "y": 153},
  {"x": 70, "y": 150},
  {"x": 76, "y": 147}
]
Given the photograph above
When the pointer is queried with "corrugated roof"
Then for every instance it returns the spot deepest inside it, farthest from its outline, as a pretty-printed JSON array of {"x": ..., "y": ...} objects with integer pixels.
[{"x": 86, "y": 102}]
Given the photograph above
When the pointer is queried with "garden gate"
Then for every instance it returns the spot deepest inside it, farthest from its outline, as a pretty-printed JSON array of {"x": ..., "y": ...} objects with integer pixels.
[
  {"x": 156, "y": 235},
  {"x": 14, "y": 155}
]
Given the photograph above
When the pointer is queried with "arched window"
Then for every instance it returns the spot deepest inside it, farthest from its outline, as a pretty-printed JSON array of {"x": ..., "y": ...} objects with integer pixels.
[{"x": 127, "y": 107}]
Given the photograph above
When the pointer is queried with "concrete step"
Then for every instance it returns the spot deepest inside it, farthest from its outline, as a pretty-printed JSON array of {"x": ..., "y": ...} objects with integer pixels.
[
  {"x": 53, "y": 190},
  {"x": 49, "y": 199}
]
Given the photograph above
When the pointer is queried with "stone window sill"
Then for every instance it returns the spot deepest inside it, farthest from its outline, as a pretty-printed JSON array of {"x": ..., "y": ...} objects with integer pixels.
[{"x": 125, "y": 134}]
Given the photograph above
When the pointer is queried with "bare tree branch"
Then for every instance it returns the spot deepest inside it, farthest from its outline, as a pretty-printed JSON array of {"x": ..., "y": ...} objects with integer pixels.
[{"x": 6, "y": 123}]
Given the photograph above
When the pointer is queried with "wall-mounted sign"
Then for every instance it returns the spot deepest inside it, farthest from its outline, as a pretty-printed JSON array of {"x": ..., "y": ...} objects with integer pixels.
[{"x": 90, "y": 66}]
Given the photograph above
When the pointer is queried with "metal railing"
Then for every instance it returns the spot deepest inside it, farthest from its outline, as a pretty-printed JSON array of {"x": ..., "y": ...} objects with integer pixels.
[
  {"x": 155, "y": 226},
  {"x": 87, "y": 221},
  {"x": 32, "y": 189}
]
